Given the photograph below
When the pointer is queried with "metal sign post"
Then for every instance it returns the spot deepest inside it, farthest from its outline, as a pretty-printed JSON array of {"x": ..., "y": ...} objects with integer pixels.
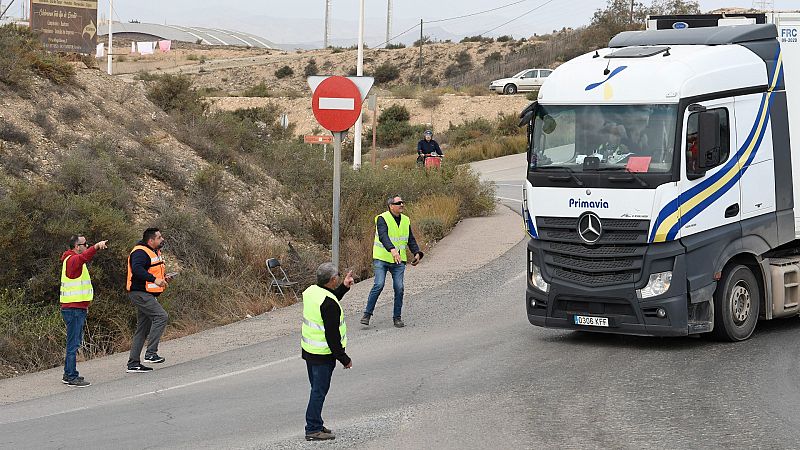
[
  {"x": 338, "y": 137},
  {"x": 336, "y": 102}
]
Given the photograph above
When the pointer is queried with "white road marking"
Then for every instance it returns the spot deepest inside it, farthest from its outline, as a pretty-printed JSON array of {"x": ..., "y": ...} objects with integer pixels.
[
  {"x": 155, "y": 392},
  {"x": 508, "y": 184},
  {"x": 510, "y": 199},
  {"x": 345, "y": 104}
]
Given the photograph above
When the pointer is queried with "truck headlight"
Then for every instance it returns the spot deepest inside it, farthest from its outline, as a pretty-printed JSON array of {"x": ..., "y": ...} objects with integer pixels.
[
  {"x": 656, "y": 285},
  {"x": 537, "y": 280}
]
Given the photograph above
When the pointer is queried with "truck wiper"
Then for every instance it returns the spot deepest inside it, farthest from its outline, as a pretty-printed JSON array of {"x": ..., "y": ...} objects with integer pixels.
[
  {"x": 633, "y": 175},
  {"x": 566, "y": 169}
]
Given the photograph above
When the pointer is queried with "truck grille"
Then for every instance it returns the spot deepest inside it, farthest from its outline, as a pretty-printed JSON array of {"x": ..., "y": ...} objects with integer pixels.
[{"x": 616, "y": 258}]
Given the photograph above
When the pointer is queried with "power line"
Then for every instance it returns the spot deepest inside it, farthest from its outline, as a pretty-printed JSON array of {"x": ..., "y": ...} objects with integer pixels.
[
  {"x": 396, "y": 36},
  {"x": 477, "y": 13},
  {"x": 517, "y": 18}
]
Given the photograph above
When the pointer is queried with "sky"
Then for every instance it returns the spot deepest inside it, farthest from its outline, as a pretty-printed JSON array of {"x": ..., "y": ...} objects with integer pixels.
[{"x": 302, "y": 21}]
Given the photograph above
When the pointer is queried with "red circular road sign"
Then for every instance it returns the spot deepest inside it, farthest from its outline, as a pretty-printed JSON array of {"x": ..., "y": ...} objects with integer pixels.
[{"x": 336, "y": 103}]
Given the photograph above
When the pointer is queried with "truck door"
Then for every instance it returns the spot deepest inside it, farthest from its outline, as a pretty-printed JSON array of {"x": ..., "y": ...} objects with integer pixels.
[
  {"x": 757, "y": 169},
  {"x": 710, "y": 193}
]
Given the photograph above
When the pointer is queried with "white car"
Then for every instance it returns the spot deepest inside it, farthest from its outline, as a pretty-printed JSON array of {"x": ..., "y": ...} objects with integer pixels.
[{"x": 527, "y": 80}]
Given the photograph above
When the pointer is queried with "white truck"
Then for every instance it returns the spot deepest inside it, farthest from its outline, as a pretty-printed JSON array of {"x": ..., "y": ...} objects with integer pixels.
[{"x": 663, "y": 183}]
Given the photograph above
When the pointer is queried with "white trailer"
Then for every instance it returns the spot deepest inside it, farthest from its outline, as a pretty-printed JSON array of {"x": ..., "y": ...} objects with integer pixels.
[{"x": 663, "y": 181}]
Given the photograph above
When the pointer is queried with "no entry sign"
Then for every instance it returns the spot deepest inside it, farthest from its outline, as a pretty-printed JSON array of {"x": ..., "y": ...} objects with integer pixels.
[{"x": 337, "y": 100}]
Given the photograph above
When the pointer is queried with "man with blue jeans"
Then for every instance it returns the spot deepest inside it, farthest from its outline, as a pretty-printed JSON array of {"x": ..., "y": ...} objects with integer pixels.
[
  {"x": 76, "y": 295},
  {"x": 393, "y": 236},
  {"x": 323, "y": 342}
]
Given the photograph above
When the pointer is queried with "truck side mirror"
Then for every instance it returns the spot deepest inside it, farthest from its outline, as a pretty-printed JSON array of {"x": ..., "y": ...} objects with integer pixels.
[{"x": 708, "y": 140}]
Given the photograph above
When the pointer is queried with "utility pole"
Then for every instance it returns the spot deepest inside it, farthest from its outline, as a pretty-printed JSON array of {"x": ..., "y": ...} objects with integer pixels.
[
  {"x": 388, "y": 22},
  {"x": 110, "y": 34},
  {"x": 359, "y": 72},
  {"x": 421, "y": 39},
  {"x": 632, "y": 2},
  {"x": 327, "y": 24}
]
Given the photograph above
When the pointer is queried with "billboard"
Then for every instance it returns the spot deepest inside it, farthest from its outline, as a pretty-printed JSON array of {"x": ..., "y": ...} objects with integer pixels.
[{"x": 68, "y": 26}]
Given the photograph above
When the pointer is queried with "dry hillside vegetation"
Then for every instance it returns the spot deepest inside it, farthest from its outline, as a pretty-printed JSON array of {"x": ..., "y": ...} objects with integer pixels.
[{"x": 81, "y": 152}]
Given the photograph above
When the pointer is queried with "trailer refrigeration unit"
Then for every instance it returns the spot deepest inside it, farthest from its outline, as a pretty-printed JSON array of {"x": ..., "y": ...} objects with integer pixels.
[{"x": 663, "y": 181}]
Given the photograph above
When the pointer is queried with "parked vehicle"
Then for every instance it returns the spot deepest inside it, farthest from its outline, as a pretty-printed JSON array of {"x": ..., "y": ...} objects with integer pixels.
[
  {"x": 527, "y": 80},
  {"x": 663, "y": 182}
]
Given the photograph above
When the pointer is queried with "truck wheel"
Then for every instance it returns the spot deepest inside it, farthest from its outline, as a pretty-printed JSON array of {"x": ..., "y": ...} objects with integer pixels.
[
  {"x": 510, "y": 89},
  {"x": 736, "y": 304}
]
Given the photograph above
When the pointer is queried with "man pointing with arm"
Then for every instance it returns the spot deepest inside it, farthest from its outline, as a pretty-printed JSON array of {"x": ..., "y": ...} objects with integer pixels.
[{"x": 323, "y": 342}]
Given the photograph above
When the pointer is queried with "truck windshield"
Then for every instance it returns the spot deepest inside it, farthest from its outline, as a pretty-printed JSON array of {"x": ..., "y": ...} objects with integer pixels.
[{"x": 632, "y": 138}]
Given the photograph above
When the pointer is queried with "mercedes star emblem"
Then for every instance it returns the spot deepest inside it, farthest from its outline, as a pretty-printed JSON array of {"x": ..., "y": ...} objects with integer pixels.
[{"x": 589, "y": 227}]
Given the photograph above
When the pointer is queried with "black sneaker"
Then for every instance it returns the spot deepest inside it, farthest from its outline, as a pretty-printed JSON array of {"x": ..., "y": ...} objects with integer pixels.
[
  {"x": 138, "y": 369},
  {"x": 78, "y": 382},
  {"x": 320, "y": 436},
  {"x": 65, "y": 380},
  {"x": 365, "y": 319},
  {"x": 398, "y": 322},
  {"x": 155, "y": 359}
]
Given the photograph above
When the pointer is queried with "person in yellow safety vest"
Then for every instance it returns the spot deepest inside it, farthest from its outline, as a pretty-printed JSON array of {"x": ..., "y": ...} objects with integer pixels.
[
  {"x": 147, "y": 278},
  {"x": 76, "y": 295},
  {"x": 393, "y": 236},
  {"x": 323, "y": 341}
]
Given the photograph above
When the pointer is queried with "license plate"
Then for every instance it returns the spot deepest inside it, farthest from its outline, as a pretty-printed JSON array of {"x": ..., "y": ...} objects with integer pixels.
[{"x": 591, "y": 321}]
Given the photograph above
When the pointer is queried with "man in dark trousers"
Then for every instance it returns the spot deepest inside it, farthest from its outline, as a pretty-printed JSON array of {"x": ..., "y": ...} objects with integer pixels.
[
  {"x": 147, "y": 279},
  {"x": 393, "y": 236},
  {"x": 76, "y": 295},
  {"x": 323, "y": 342}
]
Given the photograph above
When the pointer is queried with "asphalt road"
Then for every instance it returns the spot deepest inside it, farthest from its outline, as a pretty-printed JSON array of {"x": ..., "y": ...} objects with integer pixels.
[
  {"x": 508, "y": 174},
  {"x": 468, "y": 371}
]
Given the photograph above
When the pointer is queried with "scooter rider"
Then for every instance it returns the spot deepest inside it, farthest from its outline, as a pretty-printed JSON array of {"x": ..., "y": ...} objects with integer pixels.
[{"x": 428, "y": 147}]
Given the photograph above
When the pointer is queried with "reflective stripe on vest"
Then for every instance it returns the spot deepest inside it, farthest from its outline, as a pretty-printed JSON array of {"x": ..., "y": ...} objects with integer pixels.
[
  {"x": 74, "y": 290},
  {"x": 156, "y": 268},
  {"x": 398, "y": 234},
  {"x": 313, "y": 328}
]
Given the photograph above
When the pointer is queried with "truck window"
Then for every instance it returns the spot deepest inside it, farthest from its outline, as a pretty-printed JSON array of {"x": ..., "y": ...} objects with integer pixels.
[
  {"x": 692, "y": 169},
  {"x": 622, "y": 137}
]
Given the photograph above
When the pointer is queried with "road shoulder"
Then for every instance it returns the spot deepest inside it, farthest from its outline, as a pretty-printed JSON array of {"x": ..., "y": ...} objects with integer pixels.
[{"x": 472, "y": 244}]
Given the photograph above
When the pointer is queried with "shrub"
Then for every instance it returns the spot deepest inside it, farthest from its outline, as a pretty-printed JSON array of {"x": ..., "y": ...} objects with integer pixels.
[
  {"x": 492, "y": 59},
  {"x": 532, "y": 95},
  {"x": 396, "y": 46},
  {"x": 9, "y": 133},
  {"x": 386, "y": 72},
  {"x": 477, "y": 38},
  {"x": 424, "y": 41},
  {"x": 405, "y": 91},
  {"x": 22, "y": 55},
  {"x": 469, "y": 130},
  {"x": 175, "y": 93},
  {"x": 284, "y": 72},
  {"x": 505, "y": 38},
  {"x": 392, "y": 133},
  {"x": 311, "y": 68},
  {"x": 71, "y": 113},
  {"x": 395, "y": 113},
  {"x": 259, "y": 90},
  {"x": 430, "y": 100}
]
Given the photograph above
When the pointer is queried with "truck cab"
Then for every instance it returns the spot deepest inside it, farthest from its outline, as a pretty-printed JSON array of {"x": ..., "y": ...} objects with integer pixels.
[{"x": 660, "y": 188}]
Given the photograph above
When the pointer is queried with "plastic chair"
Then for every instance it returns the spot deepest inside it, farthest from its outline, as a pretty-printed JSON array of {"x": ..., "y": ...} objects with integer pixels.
[{"x": 280, "y": 281}]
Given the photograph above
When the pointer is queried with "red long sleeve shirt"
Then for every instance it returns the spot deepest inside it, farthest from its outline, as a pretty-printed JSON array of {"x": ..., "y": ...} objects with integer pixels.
[{"x": 74, "y": 269}]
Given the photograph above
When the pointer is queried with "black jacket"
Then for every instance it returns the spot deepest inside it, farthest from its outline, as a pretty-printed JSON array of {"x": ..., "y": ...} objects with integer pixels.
[
  {"x": 331, "y": 313},
  {"x": 428, "y": 147},
  {"x": 140, "y": 263}
]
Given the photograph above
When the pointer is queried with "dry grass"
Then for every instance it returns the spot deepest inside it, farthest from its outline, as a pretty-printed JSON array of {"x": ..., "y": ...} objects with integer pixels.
[
  {"x": 434, "y": 217},
  {"x": 476, "y": 151}
]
